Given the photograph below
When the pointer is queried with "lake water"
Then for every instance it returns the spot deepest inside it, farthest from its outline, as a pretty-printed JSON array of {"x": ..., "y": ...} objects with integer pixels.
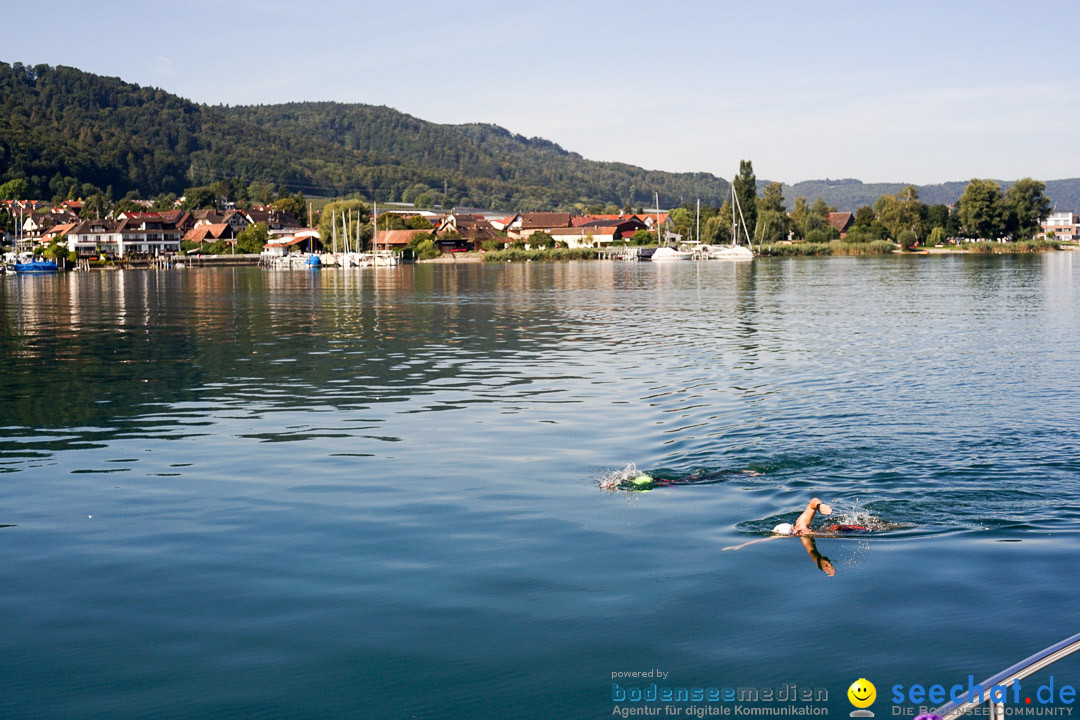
[{"x": 240, "y": 493}]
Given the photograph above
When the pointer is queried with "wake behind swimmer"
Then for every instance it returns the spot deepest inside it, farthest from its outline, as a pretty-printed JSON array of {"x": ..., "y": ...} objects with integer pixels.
[{"x": 631, "y": 479}]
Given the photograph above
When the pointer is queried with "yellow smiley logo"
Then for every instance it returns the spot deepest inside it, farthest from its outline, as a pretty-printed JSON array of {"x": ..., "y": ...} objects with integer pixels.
[{"x": 862, "y": 693}]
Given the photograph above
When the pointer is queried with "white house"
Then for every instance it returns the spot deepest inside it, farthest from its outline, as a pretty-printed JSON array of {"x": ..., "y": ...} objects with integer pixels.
[{"x": 1064, "y": 225}]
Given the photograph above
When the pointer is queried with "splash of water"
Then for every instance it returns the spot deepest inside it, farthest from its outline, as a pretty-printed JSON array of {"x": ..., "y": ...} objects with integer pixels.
[
  {"x": 854, "y": 513},
  {"x": 615, "y": 478}
]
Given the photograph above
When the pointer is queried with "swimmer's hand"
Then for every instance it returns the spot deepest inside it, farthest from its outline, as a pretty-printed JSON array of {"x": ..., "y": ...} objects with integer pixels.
[{"x": 824, "y": 509}]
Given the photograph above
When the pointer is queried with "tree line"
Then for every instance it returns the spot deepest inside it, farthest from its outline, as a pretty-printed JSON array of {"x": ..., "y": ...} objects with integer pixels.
[{"x": 983, "y": 211}]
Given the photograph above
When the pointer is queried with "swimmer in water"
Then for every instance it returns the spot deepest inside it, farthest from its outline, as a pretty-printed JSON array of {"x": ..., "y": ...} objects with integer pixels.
[
  {"x": 802, "y": 529},
  {"x": 802, "y": 523},
  {"x": 642, "y": 482}
]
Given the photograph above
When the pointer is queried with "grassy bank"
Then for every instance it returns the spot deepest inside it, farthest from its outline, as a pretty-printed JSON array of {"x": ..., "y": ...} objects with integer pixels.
[
  {"x": 1023, "y": 246},
  {"x": 554, "y": 254},
  {"x": 838, "y": 247}
]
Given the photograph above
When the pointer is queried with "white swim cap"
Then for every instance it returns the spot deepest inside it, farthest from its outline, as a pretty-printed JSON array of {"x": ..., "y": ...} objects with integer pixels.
[{"x": 783, "y": 529}]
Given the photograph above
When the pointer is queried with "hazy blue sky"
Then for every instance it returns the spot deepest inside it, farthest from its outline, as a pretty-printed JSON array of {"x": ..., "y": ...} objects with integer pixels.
[{"x": 903, "y": 91}]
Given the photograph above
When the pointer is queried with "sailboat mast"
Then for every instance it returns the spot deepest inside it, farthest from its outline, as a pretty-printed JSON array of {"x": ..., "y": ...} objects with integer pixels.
[
  {"x": 699, "y": 221},
  {"x": 734, "y": 223},
  {"x": 742, "y": 217},
  {"x": 656, "y": 201}
]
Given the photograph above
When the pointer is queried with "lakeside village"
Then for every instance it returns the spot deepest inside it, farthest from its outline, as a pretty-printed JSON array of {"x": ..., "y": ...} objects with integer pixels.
[{"x": 45, "y": 236}]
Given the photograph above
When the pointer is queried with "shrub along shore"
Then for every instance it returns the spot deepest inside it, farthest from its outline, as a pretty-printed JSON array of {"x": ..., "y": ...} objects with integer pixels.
[{"x": 803, "y": 249}]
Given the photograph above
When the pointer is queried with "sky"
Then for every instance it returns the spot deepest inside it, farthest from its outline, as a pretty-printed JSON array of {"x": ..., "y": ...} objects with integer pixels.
[{"x": 908, "y": 91}]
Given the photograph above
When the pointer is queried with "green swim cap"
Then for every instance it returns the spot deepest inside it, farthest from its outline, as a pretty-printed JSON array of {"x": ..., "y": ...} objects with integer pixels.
[{"x": 642, "y": 482}]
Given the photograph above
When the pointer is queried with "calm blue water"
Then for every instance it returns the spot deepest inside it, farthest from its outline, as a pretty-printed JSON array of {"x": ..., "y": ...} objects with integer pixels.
[{"x": 375, "y": 494}]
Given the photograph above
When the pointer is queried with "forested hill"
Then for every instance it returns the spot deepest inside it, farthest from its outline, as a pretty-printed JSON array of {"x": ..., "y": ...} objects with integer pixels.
[
  {"x": 62, "y": 129},
  {"x": 526, "y": 168},
  {"x": 850, "y": 194}
]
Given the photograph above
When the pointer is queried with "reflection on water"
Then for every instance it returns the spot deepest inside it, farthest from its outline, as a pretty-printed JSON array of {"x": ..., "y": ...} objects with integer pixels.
[{"x": 290, "y": 478}]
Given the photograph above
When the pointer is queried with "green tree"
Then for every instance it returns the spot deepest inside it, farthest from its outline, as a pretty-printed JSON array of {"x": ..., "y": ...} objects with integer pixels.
[
  {"x": 772, "y": 227},
  {"x": 716, "y": 228},
  {"x": 418, "y": 222},
  {"x": 7, "y": 222},
  {"x": 799, "y": 215},
  {"x": 643, "y": 237},
  {"x": 392, "y": 221},
  {"x": 252, "y": 238},
  {"x": 908, "y": 240},
  {"x": 772, "y": 223},
  {"x": 746, "y": 191},
  {"x": 164, "y": 201},
  {"x": 97, "y": 205},
  {"x": 198, "y": 198},
  {"x": 331, "y": 219},
  {"x": 260, "y": 193},
  {"x": 56, "y": 249},
  {"x": 865, "y": 216},
  {"x": 936, "y": 236},
  {"x": 683, "y": 219},
  {"x": 935, "y": 216},
  {"x": 410, "y": 193},
  {"x": 423, "y": 244},
  {"x": 17, "y": 189},
  {"x": 541, "y": 239},
  {"x": 981, "y": 210},
  {"x": 772, "y": 198},
  {"x": 1026, "y": 205},
  {"x": 229, "y": 190},
  {"x": 821, "y": 209},
  {"x": 901, "y": 212},
  {"x": 293, "y": 205}
]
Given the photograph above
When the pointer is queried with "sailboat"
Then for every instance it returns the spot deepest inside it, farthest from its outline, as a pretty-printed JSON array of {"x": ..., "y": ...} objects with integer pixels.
[
  {"x": 734, "y": 251},
  {"x": 665, "y": 253}
]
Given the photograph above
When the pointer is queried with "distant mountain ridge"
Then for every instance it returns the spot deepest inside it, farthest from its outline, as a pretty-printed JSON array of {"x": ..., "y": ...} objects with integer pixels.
[
  {"x": 850, "y": 194},
  {"x": 61, "y": 127}
]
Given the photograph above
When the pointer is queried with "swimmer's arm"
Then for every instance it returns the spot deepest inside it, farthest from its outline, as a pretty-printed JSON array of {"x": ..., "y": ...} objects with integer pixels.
[{"x": 752, "y": 542}]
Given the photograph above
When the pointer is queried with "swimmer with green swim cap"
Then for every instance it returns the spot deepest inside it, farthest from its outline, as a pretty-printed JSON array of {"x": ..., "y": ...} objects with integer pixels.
[
  {"x": 640, "y": 483},
  {"x": 633, "y": 480}
]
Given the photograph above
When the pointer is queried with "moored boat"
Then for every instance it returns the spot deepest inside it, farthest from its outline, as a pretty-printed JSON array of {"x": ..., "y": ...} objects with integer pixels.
[
  {"x": 36, "y": 267},
  {"x": 728, "y": 252},
  {"x": 665, "y": 254}
]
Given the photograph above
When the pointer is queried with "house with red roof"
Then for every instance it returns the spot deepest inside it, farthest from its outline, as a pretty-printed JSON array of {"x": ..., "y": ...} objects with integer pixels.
[
  {"x": 57, "y": 231},
  {"x": 129, "y": 235},
  {"x": 210, "y": 232},
  {"x": 842, "y": 221},
  {"x": 599, "y": 233},
  {"x": 471, "y": 232},
  {"x": 525, "y": 224},
  {"x": 398, "y": 239}
]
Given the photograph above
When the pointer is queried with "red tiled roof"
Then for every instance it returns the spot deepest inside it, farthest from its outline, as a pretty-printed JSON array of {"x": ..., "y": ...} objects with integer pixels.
[
  {"x": 199, "y": 233},
  {"x": 531, "y": 221},
  {"x": 399, "y": 238},
  {"x": 57, "y": 230},
  {"x": 287, "y": 241},
  {"x": 653, "y": 217},
  {"x": 841, "y": 220},
  {"x": 582, "y": 219}
]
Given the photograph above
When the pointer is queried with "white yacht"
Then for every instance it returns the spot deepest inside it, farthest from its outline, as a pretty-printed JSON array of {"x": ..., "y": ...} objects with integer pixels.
[
  {"x": 665, "y": 254},
  {"x": 728, "y": 252}
]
